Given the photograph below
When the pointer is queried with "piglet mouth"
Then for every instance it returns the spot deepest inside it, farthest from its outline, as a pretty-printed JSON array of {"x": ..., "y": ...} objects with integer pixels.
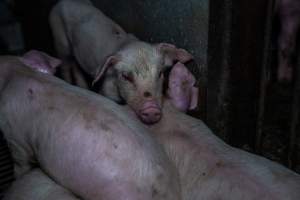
[{"x": 150, "y": 112}]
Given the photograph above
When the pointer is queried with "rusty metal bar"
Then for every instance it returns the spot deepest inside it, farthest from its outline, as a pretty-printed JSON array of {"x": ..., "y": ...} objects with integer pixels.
[
  {"x": 294, "y": 117},
  {"x": 265, "y": 67},
  {"x": 219, "y": 44}
]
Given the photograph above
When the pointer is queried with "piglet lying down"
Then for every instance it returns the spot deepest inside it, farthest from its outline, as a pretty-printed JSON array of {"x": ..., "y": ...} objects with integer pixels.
[
  {"x": 36, "y": 185},
  {"x": 128, "y": 69},
  {"x": 83, "y": 141},
  {"x": 209, "y": 168}
]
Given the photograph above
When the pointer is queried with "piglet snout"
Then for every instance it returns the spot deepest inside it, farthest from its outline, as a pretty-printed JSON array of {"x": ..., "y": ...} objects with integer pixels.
[{"x": 150, "y": 112}]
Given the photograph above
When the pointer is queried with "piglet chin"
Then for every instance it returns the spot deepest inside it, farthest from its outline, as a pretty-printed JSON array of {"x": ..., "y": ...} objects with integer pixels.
[{"x": 150, "y": 112}]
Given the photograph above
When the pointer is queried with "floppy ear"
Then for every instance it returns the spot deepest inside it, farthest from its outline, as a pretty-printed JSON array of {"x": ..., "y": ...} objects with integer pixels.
[
  {"x": 172, "y": 54},
  {"x": 181, "y": 90},
  {"x": 40, "y": 61},
  {"x": 110, "y": 62}
]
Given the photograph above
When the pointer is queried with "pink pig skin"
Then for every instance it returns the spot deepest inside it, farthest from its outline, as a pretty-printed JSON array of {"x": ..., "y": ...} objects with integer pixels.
[
  {"x": 208, "y": 167},
  {"x": 184, "y": 95},
  {"x": 127, "y": 68},
  {"x": 36, "y": 185},
  {"x": 81, "y": 140}
]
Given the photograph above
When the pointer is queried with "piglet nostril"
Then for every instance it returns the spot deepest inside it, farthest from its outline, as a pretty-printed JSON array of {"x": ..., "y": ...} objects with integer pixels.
[
  {"x": 147, "y": 94},
  {"x": 145, "y": 114},
  {"x": 150, "y": 116}
]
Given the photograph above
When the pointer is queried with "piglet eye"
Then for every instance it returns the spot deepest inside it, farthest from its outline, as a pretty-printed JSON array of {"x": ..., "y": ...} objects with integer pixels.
[{"x": 128, "y": 77}]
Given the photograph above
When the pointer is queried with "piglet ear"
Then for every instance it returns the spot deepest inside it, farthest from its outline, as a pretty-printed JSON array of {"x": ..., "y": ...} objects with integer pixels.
[
  {"x": 172, "y": 54},
  {"x": 110, "y": 62},
  {"x": 181, "y": 90},
  {"x": 40, "y": 61}
]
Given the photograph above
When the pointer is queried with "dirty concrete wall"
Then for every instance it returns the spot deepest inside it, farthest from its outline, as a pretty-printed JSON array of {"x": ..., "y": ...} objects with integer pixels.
[{"x": 184, "y": 23}]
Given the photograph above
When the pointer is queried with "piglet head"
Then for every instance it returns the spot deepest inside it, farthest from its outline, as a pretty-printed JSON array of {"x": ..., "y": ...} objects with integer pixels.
[
  {"x": 40, "y": 61},
  {"x": 181, "y": 91},
  {"x": 139, "y": 70}
]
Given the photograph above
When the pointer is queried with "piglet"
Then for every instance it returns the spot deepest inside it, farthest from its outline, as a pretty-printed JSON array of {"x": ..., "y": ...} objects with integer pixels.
[
  {"x": 208, "y": 167},
  {"x": 128, "y": 69},
  {"x": 82, "y": 140},
  {"x": 36, "y": 185},
  {"x": 289, "y": 17}
]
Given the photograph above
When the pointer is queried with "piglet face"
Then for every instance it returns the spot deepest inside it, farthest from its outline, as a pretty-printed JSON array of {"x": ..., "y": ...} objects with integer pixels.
[
  {"x": 139, "y": 71},
  {"x": 140, "y": 78},
  {"x": 181, "y": 90},
  {"x": 143, "y": 94}
]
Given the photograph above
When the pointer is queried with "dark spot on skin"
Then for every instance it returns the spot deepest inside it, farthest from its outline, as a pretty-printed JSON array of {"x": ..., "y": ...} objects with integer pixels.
[
  {"x": 185, "y": 83},
  {"x": 30, "y": 91},
  {"x": 115, "y": 146},
  {"x": 181, "y": 134},
  {"x": 164, "y": 196},
  {"x": 138, "y": 189},
  {"x": 160, "y": 176},
  {"x": 30, "y": 94},
  {"x": 89, "y": 116},
  {"x": 184, "y": 140},
  {"x": 90, "y": 119},
  {"x": 147, "y": 94},
  {"x": 104, "y": 126},
  {"x": 203, "y": 174},
  {"x": 219, "y": 164},
  {"x": 88, "y": 126},
  {"x": 51, "y": 108},
  {"x": 154, "y": 192},
  {"x": 117, "y": 33}
]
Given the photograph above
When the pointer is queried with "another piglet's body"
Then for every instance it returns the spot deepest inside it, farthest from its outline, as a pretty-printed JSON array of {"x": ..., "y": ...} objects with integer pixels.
[
  {"x": 83, "y": 31},
  {"x": 127, "y": 68},
  {"x": 80, "y": 139},
  {"x": 211, "y": 169},
  {"x": 36, "y": 185},
  {"x": 208, "y": 167}
]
